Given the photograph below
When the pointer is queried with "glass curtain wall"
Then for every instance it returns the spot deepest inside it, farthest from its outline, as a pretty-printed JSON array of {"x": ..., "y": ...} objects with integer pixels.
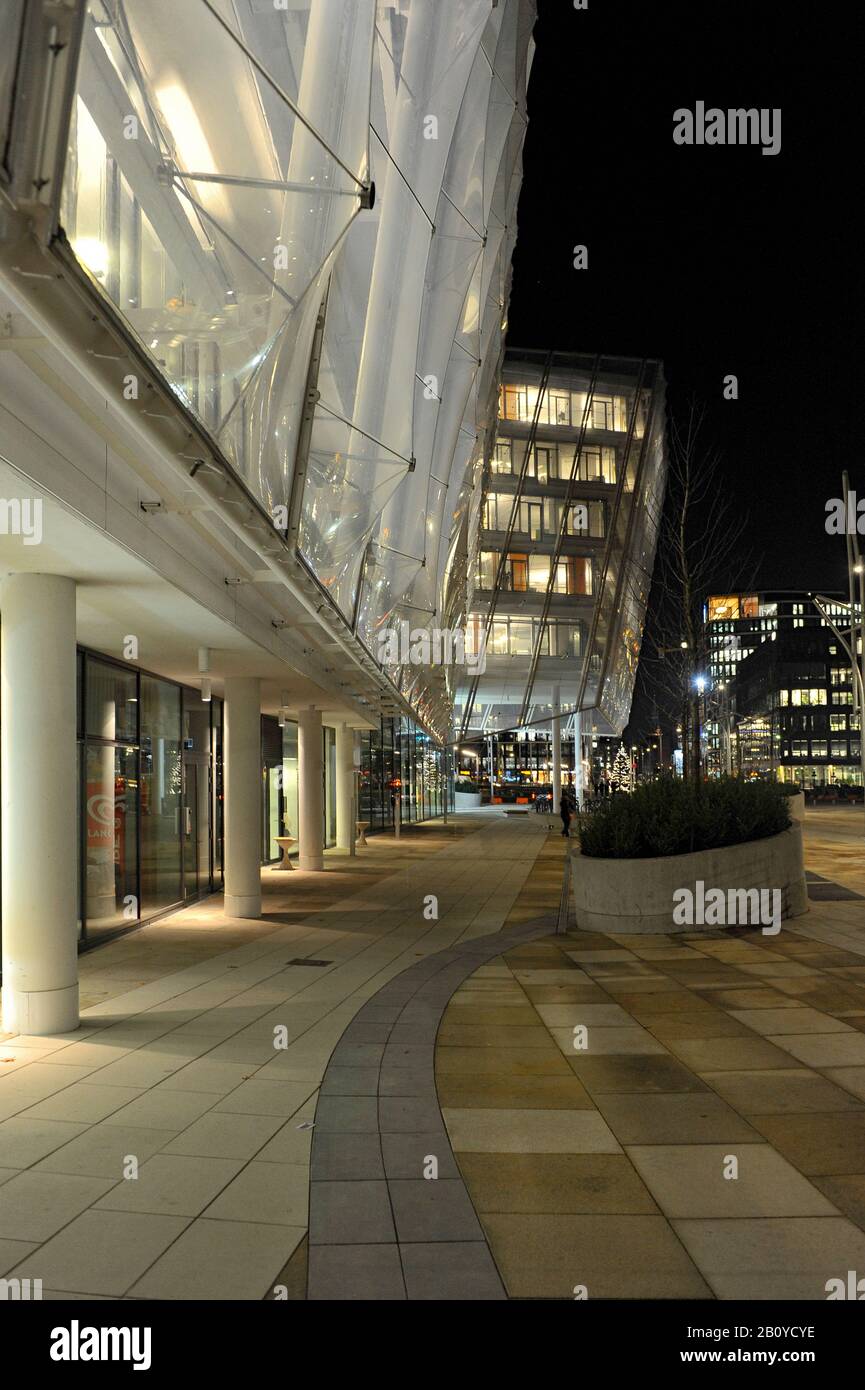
[
  {"x": 272, "y": 807},
  {"x": 150, "y": 811},
  {"x": 398, "y": 760},
  {"x": 109, "y": 760}
]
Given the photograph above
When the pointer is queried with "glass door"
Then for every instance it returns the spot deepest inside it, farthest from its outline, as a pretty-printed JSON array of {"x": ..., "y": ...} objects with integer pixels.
[{"x": 195, "y": 824}]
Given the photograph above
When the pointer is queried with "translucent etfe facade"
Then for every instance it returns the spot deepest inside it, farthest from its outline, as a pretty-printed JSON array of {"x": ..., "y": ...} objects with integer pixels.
[
  {"x": 254, "y": 274},
  {"x": 567, "y": 511},
  {"x": 303, "y": 213}
]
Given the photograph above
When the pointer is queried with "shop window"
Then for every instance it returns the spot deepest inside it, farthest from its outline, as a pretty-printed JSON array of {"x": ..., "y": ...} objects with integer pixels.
[
  {"x": 161, "y": 775},
  {"x": 111, "y": 701},
  {"x": 110, "y": 846}
]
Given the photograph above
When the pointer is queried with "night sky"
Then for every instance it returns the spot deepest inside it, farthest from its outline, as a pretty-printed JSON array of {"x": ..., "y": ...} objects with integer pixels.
[{"x": 717, "y": 259}]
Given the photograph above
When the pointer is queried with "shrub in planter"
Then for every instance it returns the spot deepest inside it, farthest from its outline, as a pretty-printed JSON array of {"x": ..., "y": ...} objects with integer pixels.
[{"x": 671, "y": 816}]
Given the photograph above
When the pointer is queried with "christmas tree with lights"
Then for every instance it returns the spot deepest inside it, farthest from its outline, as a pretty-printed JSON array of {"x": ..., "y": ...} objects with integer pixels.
[{"x": 621, "y": 773}]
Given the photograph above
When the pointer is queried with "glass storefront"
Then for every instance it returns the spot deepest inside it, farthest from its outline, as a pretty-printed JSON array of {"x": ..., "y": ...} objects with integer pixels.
[
  {"x": 399, "y": 760},
  {"x": 151, "y": 797},
  {"x": 150, "y": 807}
]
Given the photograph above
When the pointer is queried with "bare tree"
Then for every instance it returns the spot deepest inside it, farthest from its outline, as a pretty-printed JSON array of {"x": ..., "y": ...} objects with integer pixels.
[{"x": 700, "y": 551}]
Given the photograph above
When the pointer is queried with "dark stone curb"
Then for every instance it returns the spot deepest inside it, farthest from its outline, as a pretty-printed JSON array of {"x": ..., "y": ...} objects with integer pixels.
[{"x": 378, "y": 1229}]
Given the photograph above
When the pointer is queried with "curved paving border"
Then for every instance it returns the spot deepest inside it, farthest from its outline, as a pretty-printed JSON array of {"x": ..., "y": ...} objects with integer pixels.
[{"x": 377, "y": 1228}]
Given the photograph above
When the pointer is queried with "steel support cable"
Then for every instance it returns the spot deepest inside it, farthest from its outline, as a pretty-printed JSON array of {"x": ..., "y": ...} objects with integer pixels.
[
  {"x": 262, "y": 71},
  {"x": 402, "y": 176}
]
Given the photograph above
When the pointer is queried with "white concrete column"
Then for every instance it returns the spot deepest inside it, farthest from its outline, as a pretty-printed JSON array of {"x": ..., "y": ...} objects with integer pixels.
[
  {"x": 39, "y": 799},
  {"x": 310, "y": 790},
  {"x": 556, "y": 741},
  {"x": 242, "y": 796},
  {"x": 578, "y": 758},
  {"x": 345, "y": 810}
]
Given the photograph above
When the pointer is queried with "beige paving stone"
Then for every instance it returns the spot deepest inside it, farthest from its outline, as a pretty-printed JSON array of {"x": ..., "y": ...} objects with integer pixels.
[
  {"x": 818, "y": 1144},
  {"x": 847, "y": 1194},
  {"x": 102, "y": 1252},
  {"x": 661, "y": 1002},
  {"x": 12, "y": 1252},
  {"x": 798, "y": 1020},
  {"x": 25, "y": 1141},
  {"x": 775, "y": 1257},
  {"x": 529, "y": 1131},
  {"x": 568, "y": 1183},
  {"x": 492, "y": 1035},
  {"x": 493, "y": 1091},
  {"x": 674, "y": 1119},
  {"x": 171, "y": 1185},
  {"x": 755, "y": 996},
  {"x": 206, "y": 1074},
  {"x": 797, "y": 1091},
  {"x": 146, "y": 1067},
  {"x": 608, "y": 1042},
  {"x": 705, "y": 1024},
  {"x": 688, "y": 1180},
  {"x": 620, "y": 986},
  {"x": 220, "y": 1261},
  {"x": 851, "y": 1078},
  {"x": 500, "y": 1016},
  {"x": 40, "y": 1079},
  {"x": 552, "y": 976},
  {"x": 611, "y": 1256},
  {"x": 102, "y": 1150},
  {"x": 159, "y": 1109},
  {"x": 34, "y": 1205},
  {"x": 730, "y": 1054},
  {"x": 584, "y": 992},
  {"x": 771, "y": 970},
  {"x": 592, "y": 1015},
  {"x": 83, "y": 1103},
  {"x": 508, "y": 1061},
  {"x": 272, "y": 1193},
  {"x": 221, "y": 1135},
  {"x": 667, "y": 1074},
  {"x": 599, "y": 955},
  {"x": 825, "y": 1049}
]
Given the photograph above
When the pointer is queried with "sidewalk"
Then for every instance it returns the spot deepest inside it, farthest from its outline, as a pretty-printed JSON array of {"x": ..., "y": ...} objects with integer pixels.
[
  {"x": 175, "y": 1073},
  {"x": 608, "y": 1172},
  {"x": 410, "y": 1039}
]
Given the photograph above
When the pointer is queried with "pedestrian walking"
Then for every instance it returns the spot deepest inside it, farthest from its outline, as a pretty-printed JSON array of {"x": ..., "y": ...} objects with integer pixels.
[{"x": 565, "y": 813}]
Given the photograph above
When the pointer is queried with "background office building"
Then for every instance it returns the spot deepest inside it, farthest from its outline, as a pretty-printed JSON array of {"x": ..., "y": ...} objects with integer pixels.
[
  {"x": 779, "y": 698},
  {"x": 567, "y": 512},
  {"x": 248, "y": 370}
]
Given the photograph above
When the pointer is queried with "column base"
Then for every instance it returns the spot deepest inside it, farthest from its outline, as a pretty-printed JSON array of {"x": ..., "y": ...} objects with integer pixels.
[
  {"x": 39, "y": 1013},
  {"x": 245, "y": 905},
  {"x": 313, "y": 864}
]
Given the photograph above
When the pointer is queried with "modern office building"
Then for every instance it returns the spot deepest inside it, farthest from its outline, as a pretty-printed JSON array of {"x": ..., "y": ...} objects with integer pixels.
[
  {"x": 735, "y": 733},
  {"x": 567, "y": 511},
  {"x": 794, "y": 711},
  {"x": 254, "y": 271}
]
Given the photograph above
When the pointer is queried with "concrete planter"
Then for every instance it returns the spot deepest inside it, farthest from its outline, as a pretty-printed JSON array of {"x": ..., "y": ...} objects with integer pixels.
[
  {"x": 466, "y": 801},
  {"x": 637, "y": 895},
  {"x": 797, "y": 806}
]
